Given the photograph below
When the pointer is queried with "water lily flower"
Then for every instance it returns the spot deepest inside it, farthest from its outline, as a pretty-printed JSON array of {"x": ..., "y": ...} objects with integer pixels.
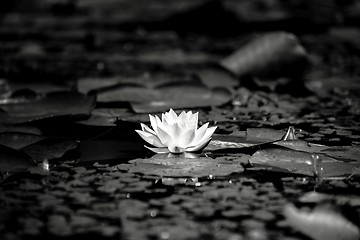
[{"x": 176, "y": 134}]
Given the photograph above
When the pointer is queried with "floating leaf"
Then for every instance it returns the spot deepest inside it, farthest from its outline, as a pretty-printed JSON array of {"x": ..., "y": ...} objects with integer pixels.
[
  {"x": 216, "y": 76},
  {"x": 231, "y": 143},
  {"x": 183, "y": 96},
  {"x": 38, "y": 87},
  {"x": 50, "y": 148},
  {"x": 58, "y": 104},
  {"x": 300, "y": 162},
  {"x": 349, "y": 153},
  {"x": 18, "y": 140},
  {"x": 104, "y": 86},
  {"x": 20, "y": 128},
  {"x": 301, "y": 145},
  {"x": 170, "y": 165},
  {"x": 11, "y": 159},
  {"x": 263, "y": 137},
  {"x": 105, "y": 117},
  {"x": 320, "y": 224},
  {"x": 250, "y": 137},
  {"x": 263, "y": 134}
]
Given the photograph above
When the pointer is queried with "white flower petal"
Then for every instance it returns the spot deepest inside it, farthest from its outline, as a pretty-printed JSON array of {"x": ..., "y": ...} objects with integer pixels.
[
  {"x": 160, "y": 124},
  {"x": 164, "y": 137},
  {"x": 158, "y": 150},
  {"x": 150, "y": 138},
  {"x": 169, "y": 119},
  {"x": 147, "y": 129},
  {"x": 198, "y": 147},
  {"x": 186, "y": 138},
  {"x": 183, "y": 117},
  {"x": 209, "y": 132},
  {"x": 189, "y": 114},
  {"x": 199, "y": 133},
  {"x": 174, "y": 131},
  {"x": 172, "y": 115},
  {"x": 153, "y": 122},
  {"x": 166, "y": 119},
  {"x": 193, "y": 121}
]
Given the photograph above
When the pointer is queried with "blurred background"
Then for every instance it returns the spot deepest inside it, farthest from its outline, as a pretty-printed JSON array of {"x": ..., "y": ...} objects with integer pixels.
[{"x": 56, "y": 40}]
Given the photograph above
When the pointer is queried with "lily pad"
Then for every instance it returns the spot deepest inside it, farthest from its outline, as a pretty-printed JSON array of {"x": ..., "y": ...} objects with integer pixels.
[
  {"x": 148, "y": 80},
  {"x": 38, "y": 87},
  {"x": 282, "y": 159},
  {"x": 177, "y": 95},
  {"x": 50, "y": 148},
  {"x": 263, "y": 134},
  {"x": 59, "y": 104},
  {"x": 183, "y": 96},
  {"x": 20, "y": 128},
  {"x": 224, "y": 143},
  {"x": 258, "y": 137},
  {"x": 349, "y": 153},
  {"x": 105, "y": 117},
  {"x": 169, "y": 165},
  {"x": 301, "y": 145},
  {"x": 250, "y": 137},
  {"x": 18, "y": 140},
  {"x": 11, "y": 159}
]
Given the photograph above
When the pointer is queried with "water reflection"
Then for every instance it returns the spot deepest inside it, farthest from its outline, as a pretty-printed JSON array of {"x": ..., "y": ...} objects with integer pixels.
[{"x": 172, "y": 155}]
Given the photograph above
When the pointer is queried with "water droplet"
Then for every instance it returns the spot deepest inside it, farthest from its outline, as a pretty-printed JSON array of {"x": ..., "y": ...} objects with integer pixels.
[
  {"x": 317, "y": 160},
  {"x": 128, "y": 195},
  {"x": 198, "y": 184},
  {"x": 45, "y": 165},
  {"x": 100, "y": 66},
  {"x": 153, "y": 213},
  {"x": 164, "y": 235},
  {"x": 211, "y": 176},
  {"x": 309, "y": 162}
]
